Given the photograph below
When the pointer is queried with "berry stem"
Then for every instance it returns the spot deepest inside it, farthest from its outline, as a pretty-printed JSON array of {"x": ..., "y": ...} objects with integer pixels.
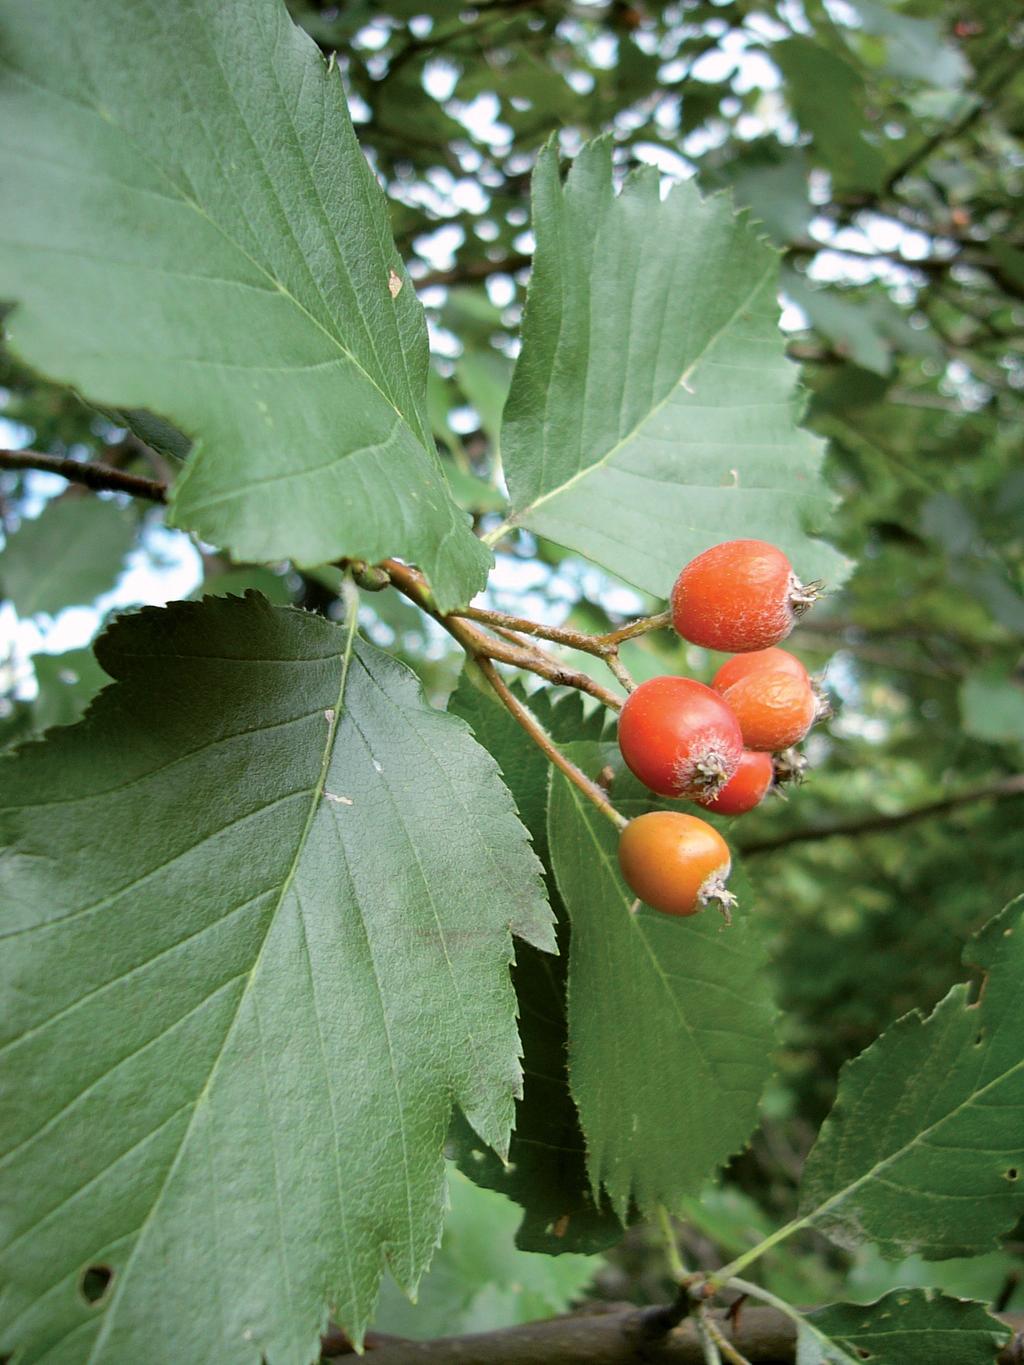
[
  {"x": 411, "y": 583},
  {"x": 601, "y": 645},
  {"x": 535, "y": 730}
]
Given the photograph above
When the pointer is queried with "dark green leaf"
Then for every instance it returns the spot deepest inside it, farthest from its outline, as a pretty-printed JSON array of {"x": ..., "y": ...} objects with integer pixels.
[
  {"x": 907, "y": 1327},
  {"x": 546, "y": 1172}
]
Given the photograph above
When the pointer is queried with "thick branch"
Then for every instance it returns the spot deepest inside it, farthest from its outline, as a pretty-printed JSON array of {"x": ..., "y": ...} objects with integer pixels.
[
  {"x": 100, "y": 477},
  {"x": 621, "y": 1337},
  {"x": 877, "y": 824}
]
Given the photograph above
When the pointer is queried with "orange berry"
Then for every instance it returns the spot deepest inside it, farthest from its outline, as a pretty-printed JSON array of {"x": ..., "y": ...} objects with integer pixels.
[
  {"x": 774, "y": 710},
  {"x": 759, "y": 660},
  {"x": 747, "y": 787},
  {"x": 679, "y": 737},
  {"x": 739, "y": 596},
  {"x": 675, "y": 863}
]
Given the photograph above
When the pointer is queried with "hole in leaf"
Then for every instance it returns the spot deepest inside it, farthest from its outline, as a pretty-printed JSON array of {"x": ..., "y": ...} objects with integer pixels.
[
  {"x": 979, "y": 1039},
  {"x": 861, "y": 1354},
  {"x": 95, "y": 1283},
  {"x": 1013, "y": 1173}
]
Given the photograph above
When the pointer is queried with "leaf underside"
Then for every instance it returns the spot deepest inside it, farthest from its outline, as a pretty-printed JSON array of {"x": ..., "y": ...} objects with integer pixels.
[{"x": 240, "y": 1004}]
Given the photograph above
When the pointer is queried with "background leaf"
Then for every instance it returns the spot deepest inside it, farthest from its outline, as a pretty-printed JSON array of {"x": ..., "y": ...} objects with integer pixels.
[
  {"x": 217, "y": 992},
  {"x": 69, "y": 554},
  {"x": 652, "y": 410},
  {"x": 478, "y": 1278},
  {"x": 943, "y": 1173},
  {"x": 205, "y": 239}
]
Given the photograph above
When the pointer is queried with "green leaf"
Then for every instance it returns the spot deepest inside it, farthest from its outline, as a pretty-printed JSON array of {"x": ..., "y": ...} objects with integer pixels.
[
  {"x": 67, "y": 684},
  {"x": 941, "y": 1172},
  {"x": 479, "y": 1280},
  {"x": 239, "y": 1010},
  {"x": 915, "y": 49},
  {"x": 671, "y": 1024},
  {"x": 67, "y": 556},
  {"x": 652, "y": 410},
  {"x": 546, "y": 1172},
  {"x": 204, "y": 238},
  {"x": 827, "y": 96},
  {"x": 907, "y": 1327},
  {"x": 992, "y": 706}
]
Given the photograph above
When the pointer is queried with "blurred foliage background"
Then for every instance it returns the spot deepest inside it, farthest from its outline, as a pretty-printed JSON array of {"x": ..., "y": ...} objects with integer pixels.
[{"x": 881, "y": 145}]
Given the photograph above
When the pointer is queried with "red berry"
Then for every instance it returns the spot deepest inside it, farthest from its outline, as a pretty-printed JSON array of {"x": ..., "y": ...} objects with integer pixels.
[
  {"x": 675, "y": 862},
  {"x": 747, "y": 787},
  {"x": 774, "y": 710},
  {"x": 679, "y": 738},
  {"x": 738, "y": 596},
  {"x": 759, "y": 660}
]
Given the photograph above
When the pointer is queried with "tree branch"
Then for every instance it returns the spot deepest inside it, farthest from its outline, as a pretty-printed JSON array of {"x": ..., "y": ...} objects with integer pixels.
[
  {"x": 100, "y": 477},
  {"x": 877, "y": 824},
  {"x": 622, "y": 1336}
]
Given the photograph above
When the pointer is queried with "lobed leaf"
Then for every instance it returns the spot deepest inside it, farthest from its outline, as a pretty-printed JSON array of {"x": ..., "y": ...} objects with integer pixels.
[
  {"x": 255, "y": 917},
  {"x": 924, "y": 1148},
  {"x": 191, "y": 227},
  {"x": 653, "y": 411}
]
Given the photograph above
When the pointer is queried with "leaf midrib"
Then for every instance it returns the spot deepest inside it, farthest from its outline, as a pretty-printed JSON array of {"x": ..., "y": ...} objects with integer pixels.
[{"x": 316, "y": 796}]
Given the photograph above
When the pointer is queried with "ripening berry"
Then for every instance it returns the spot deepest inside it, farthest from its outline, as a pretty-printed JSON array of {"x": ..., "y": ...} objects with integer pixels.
[
  {"x": 774, "y": 710},
  {"x": 679, "y": 738},
  {"x": 759, "y": 660},
  {"x": 747, "y": 787},
  {"x": 739, "y": 596},
  {"x": 675, "y": 862}
]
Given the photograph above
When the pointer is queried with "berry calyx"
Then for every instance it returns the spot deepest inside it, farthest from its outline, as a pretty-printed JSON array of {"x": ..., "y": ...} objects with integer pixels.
[
  {"x": 679, "y": 738},
  {"x": 759, "y": 660},
  {"x": 747, "y": 787},
  {"x": 774, "y": 710},
  {"x": 739, "y": 596},
  {"x": 676, "y": 863},
  {"x": 790, "y": 768}
]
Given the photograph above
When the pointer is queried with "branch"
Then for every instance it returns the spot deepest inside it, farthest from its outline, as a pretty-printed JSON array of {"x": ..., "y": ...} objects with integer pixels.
[
  {"x": 875, "y": 824},
  {"x": 100, "y": 477},
  {"x": 622, "y": 1336}
]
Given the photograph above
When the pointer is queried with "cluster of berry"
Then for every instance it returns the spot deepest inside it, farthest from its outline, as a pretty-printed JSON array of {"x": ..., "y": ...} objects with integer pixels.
[{"x": 714, "y": 745}]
